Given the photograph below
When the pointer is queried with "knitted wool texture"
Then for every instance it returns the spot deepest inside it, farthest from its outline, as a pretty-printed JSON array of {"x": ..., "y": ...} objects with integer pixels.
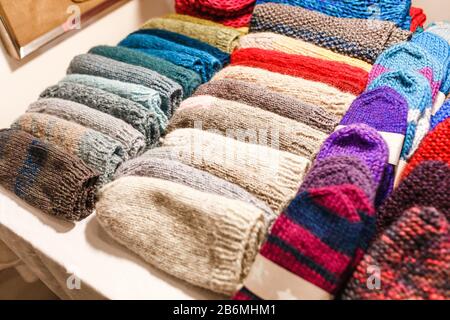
[
  {"x": 340, "y": 170},
  {"x": 352, "y": 37},
  {"x": 205, "y": 22},
  {"x": 221, "y": 37},
  {"x": 413, "y": 256},
  {"x": 435, "y": 146},
  {"x": 409, "y": 56},
  {"x": 132, "y": 113},
  {"x": 278, "y": 42},
  {"x": 132, "y": 141},
  {"x": 359, "y": 141},
  {"x": 418, "y": 18},
  {"x": 230, "y": 13},
  {"x": 388, "y": 10},
  {"x": 442, "y": 114},
  {"x": 307, "y": 91},
  {"x": 442, "y": 29},
  {"x": 197, "y": 60},
  {"x": 385, "y": 110},
  {"x": 245, "y": 123},
  {"x": 45, "y": 176},
  {"x": 223, "y": 57},
  {"x": 97, "y": 150},
  {"x": 416, "y": 90},
  {"x": 339, "y": 75},
  {"x": 146, "y": 97},
  {"x": 438, "y": 48},
  {"x": 426, "y": 186},
  {"x": 271, "y": 175},
  {"x": 205, "y": 239},
  {"x": 95, "y": 65},
  {"x": 324, "y": 220},
  {"x": 257, "y": 96},
  {"x": 187, "y": 79},
  {"x": 147, "y": 166}
]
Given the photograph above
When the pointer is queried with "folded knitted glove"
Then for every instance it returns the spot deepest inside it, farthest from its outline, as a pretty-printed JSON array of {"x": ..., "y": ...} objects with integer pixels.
[
  {"x": 146, "y": 97},
  {"x": 249, "y": 124},
  {"x": 236, "y": 13},
  {"x": 132, "y": 113},
  {"x": 354, "y": 37},
  {"x": 191, "y": 58},
  {"x": 442, "y": 114},
  {"x": 307, "y": 91},
  {"x": 339, "y": 75},
  {"x": 426, "y": 186},
  {"x": 388, "y": 10},
  {"x": 220, "y": 55},
  {"x": 257, "y": 96},
  {"x": 148, "y": 166},
  {"x": 410, "y": 56},
  {"x": 416, "y": 90},
  {"x": 412, "y": 256},
  {"x": 359, "y": 141},
  {"x": 205, "y": 239},
  {"x": 95, "y": 65},
  {"x": 385, "y": 110},
  {"x": 221, "y": 37},
  {"x": 97, "y": 150},
  {"x": 435, "y": 146},
  {"x": 132, "y": 141},
  {"x": 271, "y": 175},
  {"x": 45, "y": 176},
  {"x": 311, "y": 247},
  {"x": 187, "y": 79},
  {"x": 278, "y": 42}
]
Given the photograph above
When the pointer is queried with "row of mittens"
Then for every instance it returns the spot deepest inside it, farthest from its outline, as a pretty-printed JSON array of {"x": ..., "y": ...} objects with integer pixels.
[
  {"x": 357, "y": 38},
  {"x": 236, "y": 13},
  {"x": 419, "y": 71},
  {"x": 215, "y": 198},
  {"x": 323, "y": 233},
  {"x": 395, "y": 11}
]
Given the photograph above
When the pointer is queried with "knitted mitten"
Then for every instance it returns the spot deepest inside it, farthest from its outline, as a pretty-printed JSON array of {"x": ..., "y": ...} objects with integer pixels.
[
  {"x": 441, "y": 115},
  {"x": 307, "y": 91},
  {"x": 386, "y": 111},
  {"x": 435, "y": 146},
  {"x": 45, "y": 176},
  {"x": 246, "y": 123},
  {"x": 416, "y": 90},
  {"x": 311, "y": 247},
  {"x": 95, "y": 65},
  {"x": 359, "y": 141},
  {"x": 426, "y": 186},
  {"x": 131, "y": 112},
  {"x": 412, "y": 257},
  {"x": 337, "y": 74},
  {"x": 205, "y": 239},
  {"x": 257, "y": 96},
  {"x": 97, "y": 150},
  {"x": 133, "y": 142},
  {"x": 188, "y": 79}
]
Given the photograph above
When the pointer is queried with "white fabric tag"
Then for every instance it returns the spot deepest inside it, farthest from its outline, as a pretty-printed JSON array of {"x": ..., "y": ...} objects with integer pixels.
[
  {"x": 394, "y": 142},
  {"x": 269, "y": 281},
  {"x": 401, "y": 166},
  {"x": 440, "y": 99}
]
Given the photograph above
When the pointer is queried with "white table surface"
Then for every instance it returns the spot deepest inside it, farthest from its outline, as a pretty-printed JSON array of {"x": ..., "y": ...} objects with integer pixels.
[{"x": 97, "y": 260}]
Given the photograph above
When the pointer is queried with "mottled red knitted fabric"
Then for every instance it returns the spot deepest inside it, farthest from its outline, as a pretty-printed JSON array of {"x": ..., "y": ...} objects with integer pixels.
[
  {"x": 418, "y": 18},
  {"x": 435, "y": 146},
  {"x": 233, "y": 13},
  {"x": 337, "y": 74}
]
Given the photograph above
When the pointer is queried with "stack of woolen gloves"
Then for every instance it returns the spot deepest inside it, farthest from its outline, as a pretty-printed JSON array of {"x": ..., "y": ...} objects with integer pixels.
[
  {"x": 275, "y": 179},
  {"x": 113, "y": 105}
]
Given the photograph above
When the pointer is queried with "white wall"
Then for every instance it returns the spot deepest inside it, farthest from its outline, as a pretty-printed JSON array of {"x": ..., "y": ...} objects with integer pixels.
[{"x": 22, "y": 82}]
